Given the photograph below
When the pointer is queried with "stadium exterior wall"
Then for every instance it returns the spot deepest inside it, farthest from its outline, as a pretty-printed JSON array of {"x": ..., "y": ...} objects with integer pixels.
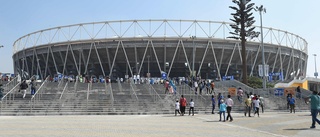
[{"x": 177, "y": 47}]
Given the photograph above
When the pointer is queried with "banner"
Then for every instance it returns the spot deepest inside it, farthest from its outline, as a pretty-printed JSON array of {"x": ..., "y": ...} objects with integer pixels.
[
  {"x": 279, "y": 92},
  {"x": 232, "y": 91}
]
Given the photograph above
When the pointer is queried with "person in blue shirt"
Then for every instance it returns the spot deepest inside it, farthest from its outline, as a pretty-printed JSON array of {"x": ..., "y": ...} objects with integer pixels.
[
  {"x": 292, "y": 102},
  {"x": 220, "y": 97},
  {"x": 222, "y": 110},
  {"x": 315, "y": 107}
]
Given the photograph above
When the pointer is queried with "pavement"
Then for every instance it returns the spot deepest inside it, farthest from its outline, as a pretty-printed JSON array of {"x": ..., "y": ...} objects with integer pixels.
[{"x": 269, "y": 124}]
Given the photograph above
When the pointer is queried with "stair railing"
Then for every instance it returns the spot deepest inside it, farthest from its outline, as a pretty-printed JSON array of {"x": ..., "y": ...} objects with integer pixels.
[
  {"x": 60, "y": 101},
  {"x": 38, "y": 94}
]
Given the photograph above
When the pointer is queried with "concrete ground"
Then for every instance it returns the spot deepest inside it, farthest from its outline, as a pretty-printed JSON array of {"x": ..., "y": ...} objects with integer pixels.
[{"x": 201, "y": 125}]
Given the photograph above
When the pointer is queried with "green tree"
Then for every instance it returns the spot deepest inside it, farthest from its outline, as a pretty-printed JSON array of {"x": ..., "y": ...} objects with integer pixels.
[
  {"x": 256, "y": 82},
  {"x": 243, "y": 29}
]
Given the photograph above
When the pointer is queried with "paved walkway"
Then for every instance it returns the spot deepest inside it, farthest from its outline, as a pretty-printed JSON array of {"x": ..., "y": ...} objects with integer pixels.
[{"x": 202, "y": 125}]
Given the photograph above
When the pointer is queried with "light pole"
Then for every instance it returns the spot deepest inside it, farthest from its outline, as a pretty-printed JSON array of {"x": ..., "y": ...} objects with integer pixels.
[
  {"x": 193, "y": 54},
  {"x": 148, "y": 66},
  {"x": 315, "y": 65},
  {"x": 261, "y": 10}
]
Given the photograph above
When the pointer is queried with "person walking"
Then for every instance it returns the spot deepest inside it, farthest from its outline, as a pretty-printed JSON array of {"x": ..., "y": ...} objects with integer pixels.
[
  {"x": 315, "y": 107},
  {"x": 229, "y": 103},
  {"x": 222, "y": 110},
  {"x": 191, "y": 104},
  {"x": 213, "y": 104},
  {"x": 23, "y": 88},
  {"x": 183, "y": 104},
  {"x": 256, "y": 102},
  {"x": 248, "y": 106},
  {"x": 261, "y": 102}
]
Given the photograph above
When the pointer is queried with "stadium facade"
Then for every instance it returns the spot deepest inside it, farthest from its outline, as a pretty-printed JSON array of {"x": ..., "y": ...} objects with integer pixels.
[{"x": 136, "y": 47}]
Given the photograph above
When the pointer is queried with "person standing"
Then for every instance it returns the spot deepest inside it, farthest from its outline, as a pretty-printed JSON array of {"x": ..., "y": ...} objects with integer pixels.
[
  {"x": 315, "y": 107},
  {"x": 177, "y": 108},
  {"x": 222, "y": 110},
  {"x": 261, "y": 102},
  {"x": 240, "y": 94},
  {"x": 220, "y": 97},
  {"x": 23, "y": 88},
  {"x": 33, "y": 87},
  {"x": 191, "y": 104},
  {"x": 213, "y": 104},
  {"x": 298, "y": 92},
  {"x": 292, "y": 104},
  {"x": 248, "y": 106},
  {"x": 212, "y": 87},
  {"x": 166, "y": 85},
  {"x": 229, "y": 103},
  {"x": 1, "y": 90},
  {"x": 195, "y": 87},
  {"x": 183, "y": 104},
  {"x": 207, "y": 83}
]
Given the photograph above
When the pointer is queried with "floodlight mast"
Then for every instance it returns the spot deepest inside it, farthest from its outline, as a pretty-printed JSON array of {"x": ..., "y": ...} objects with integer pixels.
[{"x": 261, "y": 10}]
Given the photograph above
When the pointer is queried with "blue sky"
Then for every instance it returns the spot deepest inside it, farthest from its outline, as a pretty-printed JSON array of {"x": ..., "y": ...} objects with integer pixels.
[{"x": 20, "y": 17}]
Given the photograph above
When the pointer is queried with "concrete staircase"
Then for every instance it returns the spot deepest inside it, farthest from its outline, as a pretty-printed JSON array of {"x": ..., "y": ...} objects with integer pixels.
[{"x": 76, "y": 100}]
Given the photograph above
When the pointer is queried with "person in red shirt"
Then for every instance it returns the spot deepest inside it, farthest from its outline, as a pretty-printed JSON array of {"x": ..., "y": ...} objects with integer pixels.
[{"x": 183, "y": 104}]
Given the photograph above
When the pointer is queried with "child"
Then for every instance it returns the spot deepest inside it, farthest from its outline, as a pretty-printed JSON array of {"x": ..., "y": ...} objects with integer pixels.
[
  {"x": 177, "y": 108},
  {"x": 223, "y": 108},
  {"x": 191, "y": 107}
]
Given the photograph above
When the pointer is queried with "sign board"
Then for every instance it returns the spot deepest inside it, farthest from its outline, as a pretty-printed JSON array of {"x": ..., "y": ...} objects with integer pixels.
[
  {"x": 266, "y": 70},
  {"x": 224, "y": 78},
  {"x": 232, "y": 91},
  {"x": 279, "y": 92},
  {"x": 164, "y": 75},
  {"x": 279, "y": 74}
]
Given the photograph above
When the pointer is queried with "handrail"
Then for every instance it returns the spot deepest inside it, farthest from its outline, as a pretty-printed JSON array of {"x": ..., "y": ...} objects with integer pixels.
[
  {"x": 11, "y": 92},
  {"x": 37, "y": 95},
  {"x": 111, "y": 92},
  {"x": 88, "y": 91},
  {"x": 155, "y": 92},
  {"x": 60, "y": 82},
  {"x": 120, "y": 86},
  {"x": 64, "y": 89},
  {"x": 133, "y": 91}
]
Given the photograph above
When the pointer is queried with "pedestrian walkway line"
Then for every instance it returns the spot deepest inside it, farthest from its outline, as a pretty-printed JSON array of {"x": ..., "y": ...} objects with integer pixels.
[{"x": 241, "y": 127}]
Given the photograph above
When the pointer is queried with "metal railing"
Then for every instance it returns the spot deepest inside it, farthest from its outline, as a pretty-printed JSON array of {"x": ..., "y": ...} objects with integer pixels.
[
  {"x": 60, "y": 101},
  {"x": 11, "y": 87},
  {"x": 120, "y": 86},
  {"x": 156, "y": 97},
  {"x": 88, "y": 91},
  {"x": 109, "y": 88},
  {"x": 38, "y": 94},
  {"x": 133, "y": 91}
]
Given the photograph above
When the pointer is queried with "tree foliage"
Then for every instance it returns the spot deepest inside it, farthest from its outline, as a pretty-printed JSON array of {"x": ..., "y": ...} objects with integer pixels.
[
  {"x": 256, "y": 82},
  {"x": 243, "y": 13},
  {"x": 243, "y": 29}
]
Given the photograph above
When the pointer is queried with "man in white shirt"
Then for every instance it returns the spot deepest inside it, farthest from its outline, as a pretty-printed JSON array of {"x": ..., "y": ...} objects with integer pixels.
[
  {"x": 191, "y": 107},
  {"x": 229, "y": 103}
]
